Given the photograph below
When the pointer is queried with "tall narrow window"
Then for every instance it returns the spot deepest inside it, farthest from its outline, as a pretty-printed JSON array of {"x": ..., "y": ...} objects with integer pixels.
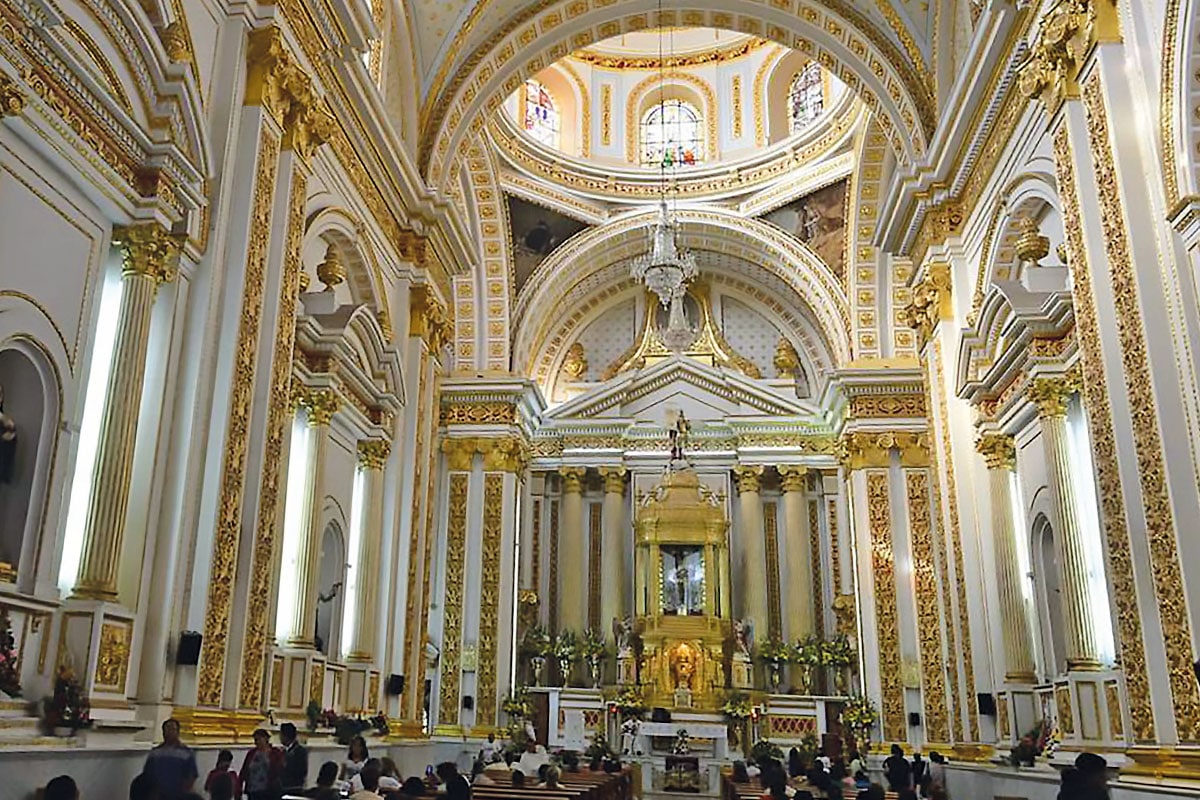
[
  {"x": 294, "y": 510},
  {"x": 354, "y": 571},
  {"x": 672, "y": 135},
  {"x": 806, "y": 98},
  {"x": 541, "y": 117},
  {"x": 89, "y": 429}
]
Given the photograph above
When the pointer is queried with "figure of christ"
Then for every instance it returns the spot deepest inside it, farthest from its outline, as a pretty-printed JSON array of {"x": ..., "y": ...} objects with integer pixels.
[{"x": 683, "y": 581}]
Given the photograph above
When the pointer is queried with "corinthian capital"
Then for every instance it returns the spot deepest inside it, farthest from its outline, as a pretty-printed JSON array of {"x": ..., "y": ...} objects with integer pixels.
[
  {"x": 749, "y": 478},
  {"x": 998, "y": 450},
  {"x": 792, "y": 478},
  {"x": 1051, "y": 395},
  {"x": 148, "y": 249}
]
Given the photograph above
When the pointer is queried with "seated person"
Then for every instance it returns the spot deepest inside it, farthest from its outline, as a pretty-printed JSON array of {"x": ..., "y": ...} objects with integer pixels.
[
  {"x": 412, "y": 787},
  {"x": 740, "y": 772},
  {"x": 327, "y": 787},
  {"x": 518, "y": 779},
  {"x": 552, "y": 779},
  {"x": 369, "y": 776}
]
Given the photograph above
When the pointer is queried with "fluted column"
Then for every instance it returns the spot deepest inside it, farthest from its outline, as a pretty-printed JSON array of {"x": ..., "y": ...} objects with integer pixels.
[
  {"x": 1000, "y": 454},
  {"x": 321, "y": 405},
  {"x": 572, "y": 564},
  {"x": 754, "y": 561},
  {"x": 798, "y": 555},
  {"x": 149, "y": 254},
  {"x": 1051, "y": 396},
  {"x": 612, "y": 551},
  {"x": 372, "y": 457}
]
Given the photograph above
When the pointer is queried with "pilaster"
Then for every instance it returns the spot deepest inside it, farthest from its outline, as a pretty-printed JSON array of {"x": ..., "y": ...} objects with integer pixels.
[{"x": 754, "y": 557}]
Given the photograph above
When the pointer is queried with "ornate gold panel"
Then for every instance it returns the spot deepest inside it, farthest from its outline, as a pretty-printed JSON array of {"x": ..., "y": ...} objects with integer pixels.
[
  {"x": 456, "y": 543},
  {"x": 489, "y": 598}
]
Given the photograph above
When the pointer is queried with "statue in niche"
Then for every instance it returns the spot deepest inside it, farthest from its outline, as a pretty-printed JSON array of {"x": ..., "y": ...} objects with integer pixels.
[
  {"x": 623, "y": 635},
  {"x": 683, "y": 667},
  {"x": 743, "y": 636},
  {"x": 8, "y": 443},
  {"x": 683, "y": 581},
  {"x": 678, "y": 434},
  {"x": 575, "y": 364}
]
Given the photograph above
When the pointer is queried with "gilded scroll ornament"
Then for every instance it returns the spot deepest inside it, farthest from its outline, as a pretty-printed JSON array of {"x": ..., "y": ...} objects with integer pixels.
[
  {"x": 12, "y": 99},
  {"x": 929, "y": 612},
  {"x": 786, "y": 360},
  {"x": 456, "y": 542},
  {"x": 427, "y": 316},
  {"x": 489, "y": 597},
  {"x": 998, "y": 450},
  {"x": 771, "y": 545},
  {"x": 112, "y": 663},
  {"x": 1112, "y": 504},
  {"x": 1147, "y": 436},
  {"x": 175, "y": 42},
  {"x": 931, "y": 302},
  {"x": 412, "y": 601},
  {"x": 818, "y": 566},
  {"x": 470, "y": 413},
  {"x": 879, "y": 522},
  {"x": 575, "y": 363},
  {"x": 882, "y": 406}
]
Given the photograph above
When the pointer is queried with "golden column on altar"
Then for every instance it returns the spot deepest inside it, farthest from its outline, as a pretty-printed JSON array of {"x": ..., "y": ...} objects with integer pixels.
[{"x": 682, "y": 593}]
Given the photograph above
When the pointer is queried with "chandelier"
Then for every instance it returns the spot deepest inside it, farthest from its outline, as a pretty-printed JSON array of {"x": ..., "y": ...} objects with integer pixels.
[{"x": 666, "y": 269}]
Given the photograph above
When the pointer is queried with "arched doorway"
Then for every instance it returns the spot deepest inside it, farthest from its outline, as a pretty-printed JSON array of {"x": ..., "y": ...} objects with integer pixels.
[
  {"x": 331, "y": 584},
  {"x": 1048, "y": 593}
]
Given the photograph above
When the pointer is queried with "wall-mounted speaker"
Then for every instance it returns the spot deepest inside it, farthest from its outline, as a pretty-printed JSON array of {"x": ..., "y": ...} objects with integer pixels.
[
  {"x": 468, "y": 702},
  {"x": 914, "y": 719},
  {"x": 987, "y": 703},
  {"x": 188, "y": 653},
  {"x": 395, "y": 685}
]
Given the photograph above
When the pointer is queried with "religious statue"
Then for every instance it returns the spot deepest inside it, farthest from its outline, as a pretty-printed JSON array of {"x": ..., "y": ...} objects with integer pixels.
[
  {"x": 683, "y": 666},
  {"x": 679, "y": 436},
  {"x": 683, "y": 580},
  {"x": 575, "y": 364},
  {"x": 743, "y": 636},
  {"x": 622, "y": 628},
  {"x": 8, "y": 443}
]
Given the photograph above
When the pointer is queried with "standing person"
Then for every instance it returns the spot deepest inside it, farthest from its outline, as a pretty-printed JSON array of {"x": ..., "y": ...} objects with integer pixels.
[
  {"x": 295, "y": 760},
  {"x": 356, "y": 758},
  {"x": 937, "y": 773},
  {"x": 224, "y": 762},
  {"x": 897, "y": 770},
  {"x": 919, "y": 771},
  {"x": 172, "y": 764},
  {"x": 261, "y": 768}
]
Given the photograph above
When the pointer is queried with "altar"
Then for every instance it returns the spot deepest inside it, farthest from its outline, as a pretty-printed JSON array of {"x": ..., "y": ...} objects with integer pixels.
[{"x": 717, "y": 733}]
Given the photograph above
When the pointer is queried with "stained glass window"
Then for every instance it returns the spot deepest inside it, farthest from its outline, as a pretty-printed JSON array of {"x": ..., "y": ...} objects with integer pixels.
[
  {"x": 806, "y": 98},
  {"x": 672, "y": 135},
  {"x": 541, "y": 117}
]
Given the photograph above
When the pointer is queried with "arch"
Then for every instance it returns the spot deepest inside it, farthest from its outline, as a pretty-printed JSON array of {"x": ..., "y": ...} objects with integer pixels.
[
  {"x": 1043, "y": 562},
  {"x": 474, "y": 78},
  {"x": 775, "y": 94},
  {"x": 678, "y": 86},
  {"x": 581, "y": 261},
  {"x": 400, "y": 85},
  {"x": 331, "y": 584},
  {"x": 1179, "y": 100},
  {"x": 336, "y": 227},
  {"x": 32, "y": 402}
]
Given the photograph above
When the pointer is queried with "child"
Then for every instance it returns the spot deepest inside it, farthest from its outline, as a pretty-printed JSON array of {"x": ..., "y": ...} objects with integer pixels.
[{"x": 224, "y": 760}]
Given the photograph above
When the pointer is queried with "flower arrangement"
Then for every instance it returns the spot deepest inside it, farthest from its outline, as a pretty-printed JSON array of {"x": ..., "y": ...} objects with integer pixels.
[
  {"x": 808, "y": 651},
  {"x": 859, "y": 714},
  {"x": 775, "y": 651},
  {"x": 598, "y": 748},
  {"x": 319, "y": 717},
  {"x": 764, "y": 750},
  {"x": 10, "y": 679},
  {"x": 737, "y": 708},
  {"x": 380, "y": 723},
  {"x": 67, "y": 707},
  {"x": 537, "y": 642},
  {"x": 628, "y": 703},
  {"x": 837, "y": 652},
  {"x": 566, "y": 646},
  {"x": 592, "y": 645},
  {"x": 346, "y": 728},
  {"x": 517, "y": 705},
  {"x": 1041, "y": 739}
]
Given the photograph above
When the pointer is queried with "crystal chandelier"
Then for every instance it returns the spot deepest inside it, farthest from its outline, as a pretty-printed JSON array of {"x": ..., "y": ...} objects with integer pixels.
[{"x": 666, "y": 269}]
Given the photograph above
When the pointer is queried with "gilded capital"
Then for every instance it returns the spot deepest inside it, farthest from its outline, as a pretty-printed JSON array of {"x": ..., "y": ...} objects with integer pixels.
[
  {"x": 614, "y": 479},
  {"x": 307, "y": 125},
  {"x": 147, "y": 250},
  {"x": 572, "y": 479},
  {"x": 1067, "y": 33},
  {"x": 460, "y": 452},
  {"x": 268, "y": 67},
  {"x": 504, "y": 454},
  {"x": 12, "y": 99},
  {"x": 175, "y": 42},
  {"x": 931, "y": 302},
  {"x": 1051, "y": 395},
  {"x": 998, "y": 450},
  {"x": 373, "y": 453},
  {"x": 321, "y": 405},
  {"x": 792, "y": 478},
  {"x": 749, "y": 478},
  {"x": 427, "y": 317},
  {"x": 868, "y": 450}
]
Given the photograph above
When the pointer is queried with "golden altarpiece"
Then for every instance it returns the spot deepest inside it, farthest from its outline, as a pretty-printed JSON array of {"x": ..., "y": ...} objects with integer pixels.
[{"x": 682, "y": 592}]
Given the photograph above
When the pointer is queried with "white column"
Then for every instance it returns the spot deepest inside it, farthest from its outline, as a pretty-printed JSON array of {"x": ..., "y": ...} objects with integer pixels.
[
  {"x": 1051, "y": 395},
  {"x": 754, "y": 561},
  {"x": 1000, "y": 454},
  {"x": 612, "y": 551},
  {"x": 372, "y": 457},
  {"x": 798, "y": 555},
  {"x": 572, "y": 561},
  {"x": 148, "y": 259}
]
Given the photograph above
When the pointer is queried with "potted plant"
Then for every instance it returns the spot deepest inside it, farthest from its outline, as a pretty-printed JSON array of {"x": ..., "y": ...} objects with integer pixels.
[
  {"x": 838, "y": 655},
  {"x": 566, "y": 650},
  {"x": 67, "y": 710},
  {"x": 537, "y": 645},
  {"x": 774, "y": 653},
  {"x": 628, "y": 703},
  {"x": 860, "y": 715},
  {"x": 593, "y": 649},
  {"x": 10, "y": 679},
  {"x": 737, "y": 710},
  {"x": 517, "y": 705},
  {"x": 765, "y": 749},
  {"x": 808, "y": 657}
]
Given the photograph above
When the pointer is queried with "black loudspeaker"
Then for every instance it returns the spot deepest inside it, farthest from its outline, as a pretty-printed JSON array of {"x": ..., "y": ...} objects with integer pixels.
[
  {"x": 914, "y": 719},
  {"x": 395, "y": 685},
  {"x": 188, "y": 653},
  {"x": 468, "y": 702},
  {"x": 660, "y": 715},
  {"x": 987, "y": 704}
]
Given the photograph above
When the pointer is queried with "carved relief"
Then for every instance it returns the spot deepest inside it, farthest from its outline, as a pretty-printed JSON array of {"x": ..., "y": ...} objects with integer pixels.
[
  {"x": 112, "y": 664},
  {"x": 489, "y": 598},
  {"x": 879, "y": 521},
  {"x": 456, "y": 543},
  {"x": 929, "y": 614}
]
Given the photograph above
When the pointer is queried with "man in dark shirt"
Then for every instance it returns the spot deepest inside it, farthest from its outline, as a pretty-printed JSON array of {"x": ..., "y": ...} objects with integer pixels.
[
  {"x": 295, "y": 760},
  {"x": 171, "y": 766}
]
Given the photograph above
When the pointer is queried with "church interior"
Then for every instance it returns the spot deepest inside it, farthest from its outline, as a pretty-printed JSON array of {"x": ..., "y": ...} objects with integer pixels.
[{"x": 699, "y": 380}]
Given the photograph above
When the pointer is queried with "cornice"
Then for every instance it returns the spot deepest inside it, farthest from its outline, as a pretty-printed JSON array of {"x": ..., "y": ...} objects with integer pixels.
[{"x": 716, "y": 55}]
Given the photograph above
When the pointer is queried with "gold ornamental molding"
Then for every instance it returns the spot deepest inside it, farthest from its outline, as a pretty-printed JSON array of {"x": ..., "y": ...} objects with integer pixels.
[
  {"x": 427, "y": 316},
  {"x": 863, "y": 450},
  {"x": 216, "y": 726},
  {"x": 12, "y": 99},
  {"x": 682, "y": 61},
  {"x": 1069, "y": 32},
  {"x": 149, "y": 250},
  {"x": 488, "y": 413},
  {"x": 931, "y": 303},
  {"x": 886, "y": 406},
  {"x": 500, "y": 453},
  {"x": 1051, "y": 395}
]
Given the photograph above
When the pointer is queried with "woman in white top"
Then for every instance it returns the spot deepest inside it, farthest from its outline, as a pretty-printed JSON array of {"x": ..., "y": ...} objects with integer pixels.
[
  {"x": 356, "y": 758},
  {"x": 389, "y": 776}
]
